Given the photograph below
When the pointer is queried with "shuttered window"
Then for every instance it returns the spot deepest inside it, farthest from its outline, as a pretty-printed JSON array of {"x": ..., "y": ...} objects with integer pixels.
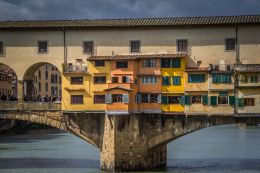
[
  {"x": 240, "y": 102},
  {"x": 42, "y": 46},
  {"x": 176, "y": 63},
  {"x": 108, "y": 98},
  {"x": 221, "y": 78},
  {"x": 135, "y": 46},
  {"x": 231, "y": 100},
  {"x": 205, "y": 100},
  {"x": 196, "y": 78},
  {"x": 213, "y": 100},
  {"x": 182, "y": 45},
  {"x": 164, "y": 100},
  {"x": 176, "y": 80},
  {"x": 125, "y": 98},
  {"x": 166, "y": 80},
  {"x": 99, "y": 99},
  {"x": 126, "y": 79},
  {"x": 187, "y": 100},
  {"x": 165, "y": 62},
  {"x": 88, "y": 47}
]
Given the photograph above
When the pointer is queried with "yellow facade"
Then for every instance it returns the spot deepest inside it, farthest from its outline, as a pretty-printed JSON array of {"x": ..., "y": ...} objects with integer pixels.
[
  {"x": 174, "y": 90},
  {"x": 88, "y": 89}
]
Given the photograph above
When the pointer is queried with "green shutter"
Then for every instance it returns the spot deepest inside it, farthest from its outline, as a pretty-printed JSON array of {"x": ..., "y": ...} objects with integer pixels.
[
  {"x": 240, "y": 102},
  {"x": 205, "y": 100},
  {"x": 228, "y": 78},
  {"x": 214, "y": 78},
  {"x": 165, "y": 81},
  {"x": 187, "y": 100},
  {"x": 231, "y": 100},
  {"x": 164, "y": 100},
  {"x": 176, "y": 80},
  {"x": 182, "y": 100},
  {"x": 213, "y": 100}
]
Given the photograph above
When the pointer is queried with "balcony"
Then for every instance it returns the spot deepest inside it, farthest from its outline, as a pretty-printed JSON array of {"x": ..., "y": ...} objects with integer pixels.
[
  {"x": 221, "y": 68},
  {"x": 247, "y": 67},
  {"x": 69, "y": 68},
  {"x": 39, "y": 106}
]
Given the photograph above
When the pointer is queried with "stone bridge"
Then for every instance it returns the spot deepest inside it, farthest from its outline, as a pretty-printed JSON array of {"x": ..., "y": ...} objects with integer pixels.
[{"x": 126, "y": 142}]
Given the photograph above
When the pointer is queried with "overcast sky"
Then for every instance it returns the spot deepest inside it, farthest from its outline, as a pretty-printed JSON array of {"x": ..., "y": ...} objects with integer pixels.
[{"x": 84, "y": 9}]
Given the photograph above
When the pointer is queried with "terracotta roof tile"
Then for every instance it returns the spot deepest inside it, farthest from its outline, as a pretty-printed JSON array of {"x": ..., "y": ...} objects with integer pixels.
[
  {"x": 74, "y": 89},
  {"x": 194, "y": 69},
  {"x": 131, "y": 23},
  {"x": 136, "y": 56}
]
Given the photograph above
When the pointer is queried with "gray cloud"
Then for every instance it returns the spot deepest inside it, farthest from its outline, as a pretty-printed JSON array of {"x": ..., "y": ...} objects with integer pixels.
[{"x": 81, "y": 9}]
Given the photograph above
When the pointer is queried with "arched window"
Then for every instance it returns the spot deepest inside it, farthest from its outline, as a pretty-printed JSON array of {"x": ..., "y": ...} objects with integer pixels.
[
  {"x": 46, "y": 87},
  {"x": 59, "y": 80},
  {"x": 39, "y": 75},
  {"x": 52, "y": 91},
  {"x": 56, "y": 78},
  {"x": 60, "y": 92},
  {"x": 56, "y": 91},
  {"x": 52, "y": 78},
  {"x": 39, "y": 87},
  {"x": 46, "y": 75}
]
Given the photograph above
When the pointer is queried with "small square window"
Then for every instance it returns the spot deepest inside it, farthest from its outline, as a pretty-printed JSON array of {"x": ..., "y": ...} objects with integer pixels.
[
  {"x": 182, "y": 45},
  {"x": 114, "y": 79},
  {"x": 76, "y": 80},
  {"x": 88, "y": 47},
  {"x": 230, "y": 44},
  {"x": 99, "y": 63},
  {"x": 135, "y": 46},
  {"x": 42, "y": 47},
  {"x": 99, "y": 79},
  {"x": 121, "y": 64},
  {"x": 76, "y": 99}
]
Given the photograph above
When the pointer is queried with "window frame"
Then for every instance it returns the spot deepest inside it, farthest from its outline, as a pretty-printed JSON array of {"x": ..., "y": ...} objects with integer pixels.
[
  {"x": 119, "y": 67},
  {"x": 179, "y": 80},
  {"x": 151, "y": 63},
  {"x": 102, "y": 65},
  {"x": 76, "y": 103},
  {"x": 245, "y": 100},
  {"x": 95, "y": 82},
  {"x": 219, "y": 96},
  {"x": 72, "y": 82},
  {"x": 226, "y": 45},
  {"x": 92, "y": 48},
  {"x": 99, "y": 95},
  {"x": 177, "y": 45},
  {"x": 139, "y": 46},
  {"x": 38, "y": 47},
  {"x": 115, "y": 77}
]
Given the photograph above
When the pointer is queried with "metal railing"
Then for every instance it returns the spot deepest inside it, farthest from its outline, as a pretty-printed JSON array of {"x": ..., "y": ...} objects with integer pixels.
[
  {"x": 221, "y": 67},
  {"x": 15, "y": 105},
  {"x": 247, "y": 67}
]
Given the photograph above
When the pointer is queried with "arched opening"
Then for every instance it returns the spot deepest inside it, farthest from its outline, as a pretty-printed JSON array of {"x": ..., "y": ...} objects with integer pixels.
[
  {"x": 39, "y": 83},
  {"x": 8, "y": 83}
]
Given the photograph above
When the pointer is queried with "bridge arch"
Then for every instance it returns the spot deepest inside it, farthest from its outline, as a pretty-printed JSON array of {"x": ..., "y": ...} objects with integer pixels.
[{"x": 40, "y": 84}]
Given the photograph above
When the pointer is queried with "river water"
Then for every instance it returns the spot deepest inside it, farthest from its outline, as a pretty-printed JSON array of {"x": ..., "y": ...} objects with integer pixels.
[{"x": 216, "y": 149}]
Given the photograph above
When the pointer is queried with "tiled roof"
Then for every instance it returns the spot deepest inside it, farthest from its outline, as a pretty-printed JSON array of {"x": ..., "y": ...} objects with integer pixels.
[
  {"x": 194, "y": 69},
  {"x": 136, "y": 56},
  {"x": 118, "y": 87},
  {"x": 131, "y": 23}
]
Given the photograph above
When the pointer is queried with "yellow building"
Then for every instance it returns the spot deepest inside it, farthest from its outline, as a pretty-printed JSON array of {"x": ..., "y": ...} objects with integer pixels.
[
  {"x": 83, "y": 86},
  {"x": 173, "y": 78}
]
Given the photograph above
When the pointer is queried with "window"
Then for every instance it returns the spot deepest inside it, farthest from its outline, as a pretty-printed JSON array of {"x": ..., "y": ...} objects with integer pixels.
[
  {"x": 149, "y": 79},
  {"x": 39, "y": 87},
  {"x": 46, "y": 75},
  {"x": 52, "y": 91},
  {"x": 99, "y": 63},
  {"x": 230, "y": 44},
  {"x": 46, "y": 87},
  {"x": 121, "y": 64},
  {"x": 166, "y": 63},
  {"x": 254, "y": 79},
  {"x": 196, "y": 78},
  {"x": 76, "y": 80},
  {"x": 174, "y": 99},
  {"x": 59, "y": 80},
  {"x": 145, "y": 98},
  {"x": 76, "y": 99},
  {"x": 114, "y": 79},
  {"x": 176, "y": 80},
  {"x": 99, "y": 99},
  {"x": 117, "y": 98},
  {"x": 166, "y": 80},
  {"x": 135, "y": 46},
  {"x": 221, "y": 78},
  {"x": 196, "y": 99},
  {"x": 39, "y": 75},
  {"x": 222, "y": 100},
  {"x": 1, "y": 47},
  {"x": 126, "y": 79},
  {"x": 182, "y": 45},
  {"x": 176, "y": 63},
  {"x": 249, "y": 101},
  {"x": 99, "y": 79},
  {"x": 42, "y": 46},
  {"x": 52, "y": 78},
  {"x": 56, "y": 78},
  {"x": 88, "y": 47},
  {"x": 154, "y": 98},
  {"x": 149, "y": 63}
]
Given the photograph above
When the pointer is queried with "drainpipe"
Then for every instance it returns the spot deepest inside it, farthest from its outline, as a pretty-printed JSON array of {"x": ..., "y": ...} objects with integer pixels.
[
  {"x": 236, "y": 80},
  {"x": 64, "y": 45}
]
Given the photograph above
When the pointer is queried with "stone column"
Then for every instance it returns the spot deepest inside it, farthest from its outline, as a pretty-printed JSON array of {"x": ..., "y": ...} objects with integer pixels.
[
  {"x": 125, "y": 146},
  {"x": 20, "y": 93}
]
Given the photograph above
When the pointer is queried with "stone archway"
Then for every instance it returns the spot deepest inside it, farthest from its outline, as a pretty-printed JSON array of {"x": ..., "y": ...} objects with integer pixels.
[{"x": 38, "y": 82}]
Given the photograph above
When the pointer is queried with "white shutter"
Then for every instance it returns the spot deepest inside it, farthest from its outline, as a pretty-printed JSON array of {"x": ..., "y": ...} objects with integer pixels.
[
  {"x": 159, "y": 98},
  {"x": 127, "y": 79},
  {"x": 108, "y": 98},
  {"x": 125, "y": 98},
  {"x": 139, "y": 98}
]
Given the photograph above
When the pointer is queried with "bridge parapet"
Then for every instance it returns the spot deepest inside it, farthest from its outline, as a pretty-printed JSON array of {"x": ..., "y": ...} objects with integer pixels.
[{"x": 15, "y": 105}]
